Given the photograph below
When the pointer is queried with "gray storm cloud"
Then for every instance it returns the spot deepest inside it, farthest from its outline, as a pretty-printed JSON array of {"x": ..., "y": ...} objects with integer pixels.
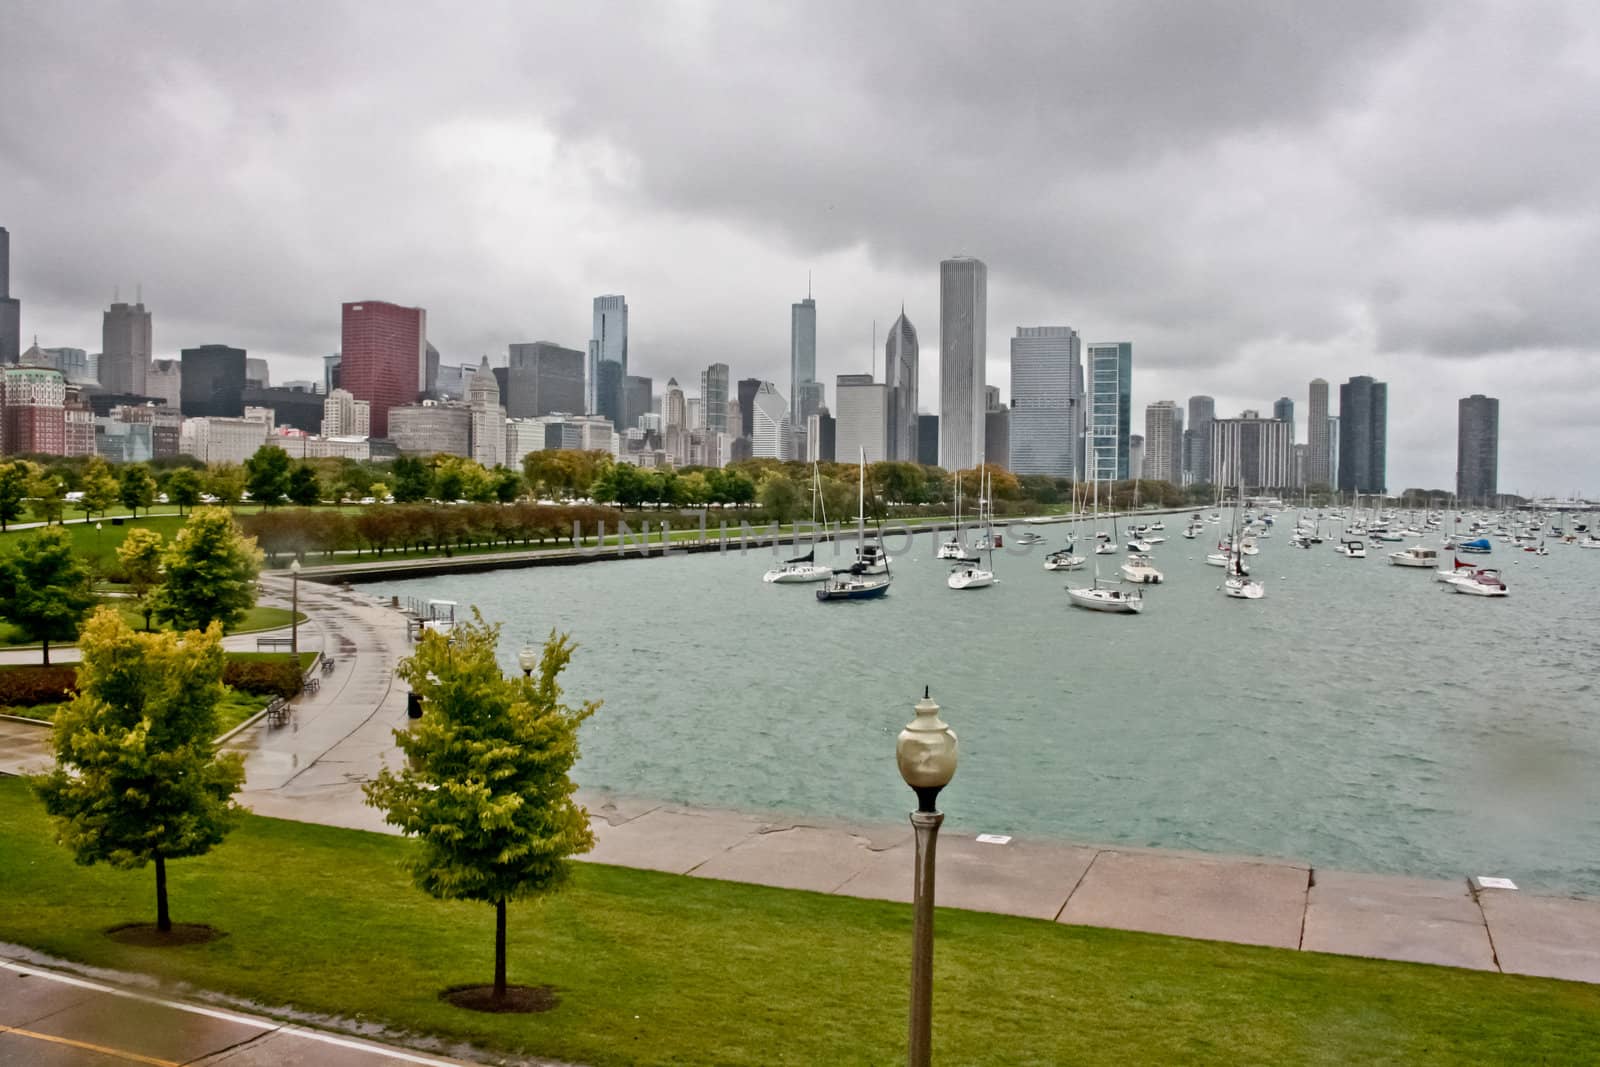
[{"x": 1254, "y": 195}]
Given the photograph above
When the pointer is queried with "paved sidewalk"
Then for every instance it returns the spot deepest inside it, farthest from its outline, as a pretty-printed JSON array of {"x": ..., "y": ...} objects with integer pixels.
[
  {"x": 50, "y": 1017},
  {"x": 312, "y": 770}
]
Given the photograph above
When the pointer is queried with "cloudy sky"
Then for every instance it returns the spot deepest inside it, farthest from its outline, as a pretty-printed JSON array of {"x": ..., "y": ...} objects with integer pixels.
[{"x": 1253, "y": 194}]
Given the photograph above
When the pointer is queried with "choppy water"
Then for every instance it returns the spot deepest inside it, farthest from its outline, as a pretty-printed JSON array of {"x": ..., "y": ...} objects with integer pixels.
[{"x": 1360, "y": 717}]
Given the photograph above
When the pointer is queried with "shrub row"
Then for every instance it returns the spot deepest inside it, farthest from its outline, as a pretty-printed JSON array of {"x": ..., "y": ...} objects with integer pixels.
[
  {"x": 30, "y": 685},
  {"x": 279, "y": 678}
]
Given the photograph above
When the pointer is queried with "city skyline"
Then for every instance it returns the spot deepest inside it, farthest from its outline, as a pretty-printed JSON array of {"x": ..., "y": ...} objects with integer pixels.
[{"x": 1359, "y": 261}]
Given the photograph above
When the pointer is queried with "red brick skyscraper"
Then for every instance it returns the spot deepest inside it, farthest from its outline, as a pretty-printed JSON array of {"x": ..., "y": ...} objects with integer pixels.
[{"x": 384, "y": 353}]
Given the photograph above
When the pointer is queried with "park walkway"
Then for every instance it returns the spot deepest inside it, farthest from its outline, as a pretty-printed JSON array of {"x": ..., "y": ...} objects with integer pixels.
[{"x": 312, "y": 770}]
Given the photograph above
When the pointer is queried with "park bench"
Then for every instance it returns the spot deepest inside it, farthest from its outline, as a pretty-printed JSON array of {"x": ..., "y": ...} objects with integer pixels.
[
  {"x": 278, "y": 712},
  {"x": 264, "y": 643}
]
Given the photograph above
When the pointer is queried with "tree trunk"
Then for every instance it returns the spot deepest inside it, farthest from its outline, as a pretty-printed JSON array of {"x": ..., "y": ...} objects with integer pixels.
[
  {"x": 500, "y": 949},
  {"x": 46, "y": 643},
  {"x": 146, "y": 620},
  {"x": 163, "y": 918}
]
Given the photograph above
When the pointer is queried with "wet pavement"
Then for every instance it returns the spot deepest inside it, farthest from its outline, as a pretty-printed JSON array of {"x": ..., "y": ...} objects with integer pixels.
[{"x": 48, "y": 1018}]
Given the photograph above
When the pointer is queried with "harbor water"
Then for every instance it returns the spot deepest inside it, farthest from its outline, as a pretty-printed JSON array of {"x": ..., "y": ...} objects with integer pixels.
[{"x": 1362, "y": 716}]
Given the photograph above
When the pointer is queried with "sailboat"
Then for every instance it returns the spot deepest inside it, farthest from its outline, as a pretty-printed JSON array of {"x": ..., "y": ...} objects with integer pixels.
[
  {"x": 1065, "y": 559},
  {"x": 805, "y": 568},
  {"x": 1237, "y": 584},
  {"x": 859, "y": 581},
  {"x": 951, "y": 548},
  {"x": 967, "y": 574},
  {"x": 1098, "y": 598}
]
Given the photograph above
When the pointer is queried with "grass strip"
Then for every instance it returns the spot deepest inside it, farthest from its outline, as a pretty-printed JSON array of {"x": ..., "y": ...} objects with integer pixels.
[{"x": 662, "y": 969}]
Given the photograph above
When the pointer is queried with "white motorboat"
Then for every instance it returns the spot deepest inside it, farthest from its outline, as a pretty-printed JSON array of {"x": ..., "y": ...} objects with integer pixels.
[
  {"x": 1484, "y": 582},
  {"x": 1352, "y": 549},
  {"x": 1028, "y": 537},
  {"x": 1138, "y": 544},
  {"x": 1217, "y": 559},
  {"x": 1139, "y": 570},
  {"x": 1064, "y": 560},
  {"x": 1415, "y": 556},
  {"x": 1459, "y": 570},
  {"x": 1589, "y": 541}
]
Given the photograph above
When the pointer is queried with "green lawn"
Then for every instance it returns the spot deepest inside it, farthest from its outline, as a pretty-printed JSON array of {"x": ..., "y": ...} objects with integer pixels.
[
  {"x": 660, "y": 969},
  {"x": 234, "y": 708}
]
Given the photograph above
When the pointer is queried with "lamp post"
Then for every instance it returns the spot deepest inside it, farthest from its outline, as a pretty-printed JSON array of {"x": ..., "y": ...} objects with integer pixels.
[
  {"x": 926, "y": 754},
  {"x": 294, "y": 607},
  {"x": 97, "y": 528},
  {"x": 528, "y": 659}
]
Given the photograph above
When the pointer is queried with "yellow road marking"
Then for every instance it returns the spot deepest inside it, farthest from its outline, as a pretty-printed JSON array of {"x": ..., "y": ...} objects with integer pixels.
[{"x": 119, "y": 1053}]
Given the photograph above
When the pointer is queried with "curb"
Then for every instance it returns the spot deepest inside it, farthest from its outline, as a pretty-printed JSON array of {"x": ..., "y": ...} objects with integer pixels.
[{"x": 258, "y": 716}]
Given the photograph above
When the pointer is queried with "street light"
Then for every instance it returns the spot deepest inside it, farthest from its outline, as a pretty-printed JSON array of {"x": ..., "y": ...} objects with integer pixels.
[
  {"x": 528, "y": 659},
  {"x": 294, "y": 607},
  {"x": 926, "y": 753}
]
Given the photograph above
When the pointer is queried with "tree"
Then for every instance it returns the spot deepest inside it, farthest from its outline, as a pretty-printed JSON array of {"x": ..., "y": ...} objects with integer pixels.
[
  {"x": 379, "y": 491},
  {"x": 138, "y": 776},
  {"x": 486, "y": 783},
  {"x": 45, "y": 588},
  {"x": 779, "y": 496},
  {"x": 226, "y": 483},
  {"x": 266, "y": 475},
  {"x": 138, "y": 488},
  {"x": 49, "y": 495},
  {"x": 507, "y": 484},
  {"x": 140, "y": 556},
  {"x": 184, "y": 488},
  {"x": 304, "y": 487},
  {"x": 101, "y": 487},
  {"x": 211, "y": 569},
  {"x": 14, "y": 479}
]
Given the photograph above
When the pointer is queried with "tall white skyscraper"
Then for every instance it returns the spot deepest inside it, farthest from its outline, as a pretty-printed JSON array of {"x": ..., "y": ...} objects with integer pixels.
[
  {"x": 488, "y": 417},
  {"x": 963, "y": 322},
  {"x": 608, "y": 343},
  {"x": 802, "y": 353},
  {"x": 769, "y": 434},
  {"x": 1163, "y": 442},
  {"x": 1046, "y": 402},
  {"x": 900, "y": 370}
]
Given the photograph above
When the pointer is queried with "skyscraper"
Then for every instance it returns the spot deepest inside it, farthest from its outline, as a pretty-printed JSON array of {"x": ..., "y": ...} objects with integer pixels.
[
  {"x": 10, "y": 307},
  {"x": 802, "y": 353},
  {"x": 900, "y": 369},
  {"x": 1256, "y": 449},
  {"x": 714, "y": 398},
  {"x": 1163, "y": 442},
  {"x": 608, "y": 343},
  {"x": 636, "y": 393},
  {"x": 1318, "y": 454},
  {"x": 1478, "y": 449},
  {"x": 1110, "y": 409},
  {"x": 674, "y": 409},
  {"x": 488, "y": 417},
  {"x": 748, "y": 388},
  {"x": 927, "y": 439},
  {"x": 861, "y": 424},
  {"x": 963, "y": 325},
  {"x": 1283, "y": 411},
  {"x": 1046, "y": 405},
  {"x": 382, "y": 355},
  {"x": 1202, "y": 410},
  {"x": 1363, "y": 435},
  {"x": 769, "y": 414},
  {"x": 543, "y": 378},
  {"x": 212, "y": 381},
  {"x": 125, "y": 339}
]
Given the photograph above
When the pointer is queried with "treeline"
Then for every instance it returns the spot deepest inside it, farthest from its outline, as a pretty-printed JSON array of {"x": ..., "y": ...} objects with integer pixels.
[{"x": 379, "y": 529}]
